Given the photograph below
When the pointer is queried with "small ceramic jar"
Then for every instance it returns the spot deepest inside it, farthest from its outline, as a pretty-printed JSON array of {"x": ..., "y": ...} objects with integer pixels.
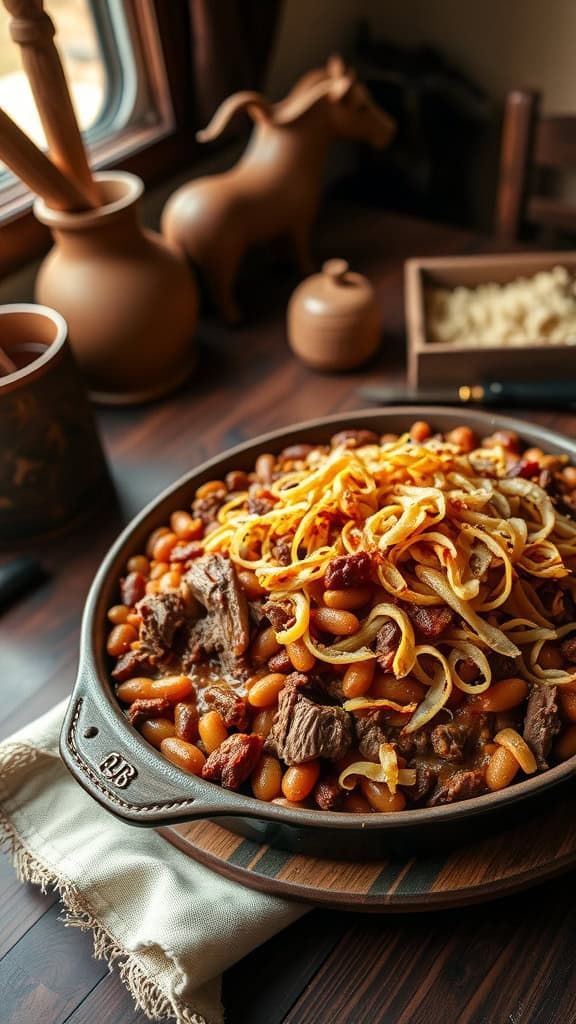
[{"x": 334, "y": 319}]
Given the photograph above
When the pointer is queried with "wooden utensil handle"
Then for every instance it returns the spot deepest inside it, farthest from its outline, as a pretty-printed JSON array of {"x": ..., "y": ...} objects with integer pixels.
[
  {"x": 34, "y": 168},
  {"x": 33, "y": 30}
]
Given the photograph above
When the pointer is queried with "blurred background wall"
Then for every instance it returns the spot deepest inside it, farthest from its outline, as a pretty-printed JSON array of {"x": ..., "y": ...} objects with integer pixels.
[{"x": 496, "y": 44}]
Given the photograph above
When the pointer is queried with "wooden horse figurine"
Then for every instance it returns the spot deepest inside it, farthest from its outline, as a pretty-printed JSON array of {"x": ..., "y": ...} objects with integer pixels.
[{"x": 275, "y": 187}]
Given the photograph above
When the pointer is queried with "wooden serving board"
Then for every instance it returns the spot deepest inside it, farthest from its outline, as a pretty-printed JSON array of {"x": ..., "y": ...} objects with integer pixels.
[{"x": 516, "y": 858}]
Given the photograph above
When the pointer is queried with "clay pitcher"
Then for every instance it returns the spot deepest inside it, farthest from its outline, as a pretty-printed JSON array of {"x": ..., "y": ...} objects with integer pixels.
[{"x": 131, "y": 303}]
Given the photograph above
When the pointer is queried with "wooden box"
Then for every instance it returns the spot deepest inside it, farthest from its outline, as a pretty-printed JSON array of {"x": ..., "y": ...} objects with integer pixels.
[{"x": 435, "y": 364}]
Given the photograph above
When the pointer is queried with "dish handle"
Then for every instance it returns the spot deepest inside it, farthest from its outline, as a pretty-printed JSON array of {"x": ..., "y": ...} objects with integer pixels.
[{"x": 126, "y": 775}]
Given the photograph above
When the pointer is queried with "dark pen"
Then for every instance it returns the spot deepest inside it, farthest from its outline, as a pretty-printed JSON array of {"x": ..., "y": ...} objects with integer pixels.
[{"x": 548, "y": 394}]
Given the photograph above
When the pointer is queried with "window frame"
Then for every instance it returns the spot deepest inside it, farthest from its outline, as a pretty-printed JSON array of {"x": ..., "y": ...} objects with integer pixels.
[{"x": 160, "y": 35}]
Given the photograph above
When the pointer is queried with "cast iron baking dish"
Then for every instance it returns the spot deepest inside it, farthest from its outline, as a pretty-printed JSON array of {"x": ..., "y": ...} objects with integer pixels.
[{"x": 131, "y": 779}]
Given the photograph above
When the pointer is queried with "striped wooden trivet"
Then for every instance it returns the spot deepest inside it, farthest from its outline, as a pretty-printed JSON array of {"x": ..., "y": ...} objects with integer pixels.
[{"x": 528, "y": 853}]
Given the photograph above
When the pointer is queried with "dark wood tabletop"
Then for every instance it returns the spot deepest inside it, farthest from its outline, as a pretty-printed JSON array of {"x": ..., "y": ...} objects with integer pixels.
[{"x": 508, "y": 961}]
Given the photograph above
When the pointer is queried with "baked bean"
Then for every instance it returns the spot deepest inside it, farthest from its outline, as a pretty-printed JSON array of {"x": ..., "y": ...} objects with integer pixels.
[
  {"x": 380, "y": 798},
  {"x": 185, "y": 755},
  {"x": 163, "y": 546},
  {"x": 120, "y": 638},
  {"x": 212, "y": 730},
  {"x": 264, "y": 646},
  {"x": 347, "y": 600},
  {"x": 335, "y": 621},
  {"x": 118, "y": 614},
  {"x": 266, "y": 779},
  {"x": 186, "y": 720},
  {"x": 158, "y": 570},
  {"x": 533, "y": 455},
  {"x": 567, "y": 701},
  {"x": 420, "y": 431},
  {"x": 355, "y": 803},
  {"x": 152, "y": 539},
  {"x": 152, "y": 587},
  {"x": 255, "y": 678},
  {"x": 236, "y": 480},
  {"x": 134, "y": 620},
  {"x": 299, "y": 780},
  {"x": 170, "y": 581},
  {"x": 265, "y": 692},
  {"x": 501, "y": 769},
  {"x": 501, "y": 696},
  {"x": 137, "y": 688},
  {"x": 302, "y": 659},
  {"x": 173, "y": 688},
  {"x": 263, "y": 722},
  {"x": 185, "y": 526},
  {"x": 358, "y": 679},
  {"x": 264, "y": 467},
  {"x": 210, "y": 487},
  {"x": 248, "y": 580},
  {"x": 553, "y": 463},
  {"x": 569, "y": 477},
  {"x": 138, "y": 563},
  {"x": 565, "y": 745},
  {"x": 155, "y": 730},
  {"x": 550, "y": 656},
  {"x": 463, "y": 437},
  {"x": 401, "y": 691}
]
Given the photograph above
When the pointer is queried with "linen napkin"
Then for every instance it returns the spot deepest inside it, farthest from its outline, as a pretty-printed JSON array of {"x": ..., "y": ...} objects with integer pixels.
[{"x": 170, "y": 925}]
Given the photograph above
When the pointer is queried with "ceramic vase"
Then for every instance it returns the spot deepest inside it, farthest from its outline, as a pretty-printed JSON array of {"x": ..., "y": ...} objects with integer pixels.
[{"x": 130, "y": 302}]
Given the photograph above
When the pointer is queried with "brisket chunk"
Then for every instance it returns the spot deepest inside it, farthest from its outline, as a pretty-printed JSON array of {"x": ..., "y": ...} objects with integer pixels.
[
  {"x": 425, "y": 781},
  {"x": 370, "y": 733},
  {"x": 304, "y": 730},
  {"x": 186, "y": 551},
  {"x": 207, "y": 508},
  {"x": 348, "y": 571},
  {"x": 429, "y": 621},
  {"x": 387, "y": 643},
  {"x": 277, "y": 615},
  {"x": 258, "y": 506},
  {"x": 354, "y": 438},
  {"x": 282, "y": 549},
  {"x": 280, "y": 662},
  {"x": 234, "y": 760},
  {"x": 162, "y": 615},
  {"x": 132, "y": 588},
  {"x": 541, "y": 722},
  {"x": 225, "y": 629},
  {"x": 329, "y": 688},
  {"x": 133, "y": 663},
  {"x": 229, "y": 704},
  {"x": 460, "y": 785},
  {"x": 449, "y": 739},
  {"x": 140, "y": 710}
]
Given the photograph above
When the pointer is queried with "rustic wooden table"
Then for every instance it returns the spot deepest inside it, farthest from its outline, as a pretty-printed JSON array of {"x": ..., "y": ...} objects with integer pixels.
[{"x": 509, "y": 961}]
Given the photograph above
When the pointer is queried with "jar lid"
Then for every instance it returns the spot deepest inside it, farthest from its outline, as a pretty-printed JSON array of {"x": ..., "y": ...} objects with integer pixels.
[{"x": 336, "y": 291}]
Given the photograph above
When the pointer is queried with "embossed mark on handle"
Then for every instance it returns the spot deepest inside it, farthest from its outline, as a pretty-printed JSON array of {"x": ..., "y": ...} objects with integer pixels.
[{"x": 118, "y": 770}]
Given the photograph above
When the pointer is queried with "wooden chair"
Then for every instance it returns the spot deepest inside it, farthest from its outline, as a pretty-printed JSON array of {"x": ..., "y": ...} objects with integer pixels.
[{"x": 531, "y": 146}]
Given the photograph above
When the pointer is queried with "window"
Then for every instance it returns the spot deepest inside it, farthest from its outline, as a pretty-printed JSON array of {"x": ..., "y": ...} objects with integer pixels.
[
  {"x": 83, "y": 60},
  {"x": 121, "y": 82}
]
